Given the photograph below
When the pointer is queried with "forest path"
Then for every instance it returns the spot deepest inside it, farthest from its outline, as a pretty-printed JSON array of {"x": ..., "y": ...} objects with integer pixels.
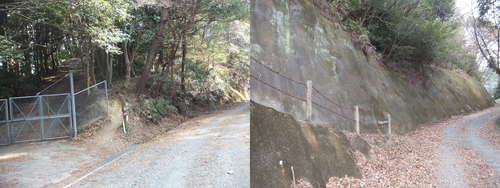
[{"x": 464, "y": 155}]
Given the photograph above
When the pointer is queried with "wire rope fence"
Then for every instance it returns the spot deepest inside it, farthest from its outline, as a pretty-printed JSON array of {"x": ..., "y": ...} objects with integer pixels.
[{"x": 319, "y": 102}]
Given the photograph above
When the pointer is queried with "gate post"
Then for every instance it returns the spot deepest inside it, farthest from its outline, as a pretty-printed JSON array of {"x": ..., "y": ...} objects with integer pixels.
[
  {"x": 11, "y": 112},
  {"x": 73, "y": 110},
  {"x": 106, "y": 89},
  {"x": 40, "y": 99},
  {"x": 6, "y": 104},
  {"x": 309, "y": 101}
]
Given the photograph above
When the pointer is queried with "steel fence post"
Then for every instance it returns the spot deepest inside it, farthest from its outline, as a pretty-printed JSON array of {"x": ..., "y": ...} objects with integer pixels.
[
  {"x": 12, "y": 117},
  {"x": 68, "y": 97},
  {"x": 106, "y": 89},
  {"x": 6, "y": 103},
  {"x": 73, "y": 110},
  {"x": 40, "y": 99}
]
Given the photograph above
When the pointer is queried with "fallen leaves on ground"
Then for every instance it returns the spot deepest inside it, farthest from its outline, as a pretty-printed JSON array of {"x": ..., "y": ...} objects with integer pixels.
[
  {"x": 476, "y": 172},
  {"x": 409, "y": 162},
  {"x": 490, "y": 131}
]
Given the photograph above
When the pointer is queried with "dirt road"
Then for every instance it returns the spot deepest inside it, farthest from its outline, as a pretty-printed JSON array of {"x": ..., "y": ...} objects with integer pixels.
[
  {"x": 464, "y": 157},
  {"x": 204, "y": 152},
  {"x": 462, "y": 151}
]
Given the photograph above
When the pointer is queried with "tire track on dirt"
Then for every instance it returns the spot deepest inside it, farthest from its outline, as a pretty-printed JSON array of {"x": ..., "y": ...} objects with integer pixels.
[{"x": 213, "y": 155}]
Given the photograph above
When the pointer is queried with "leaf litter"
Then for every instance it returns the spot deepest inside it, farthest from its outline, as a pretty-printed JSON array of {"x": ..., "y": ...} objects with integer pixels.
[{"x": 412, "y": 159}]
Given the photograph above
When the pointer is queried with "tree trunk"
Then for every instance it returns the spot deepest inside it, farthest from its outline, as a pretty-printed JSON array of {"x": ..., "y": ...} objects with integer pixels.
[
  {"x": 87, "y": 69},
  {"x": 46, "y": 62},
  {"x": 27, "y": 66},
  {"x": 53, "y": 71},
  {"x": 131, "y": 59},
  {"x": 183, "y": 63},
  {"x": 92, "y": 69},
  {"x": 127, "y": 64},
  {"x": 152, "y": 52},
  {"x": 159, "y": 62},
  {"x": 121, "y": 64},
  {"x": 109, "y": 69},
  {"x": 184, "y": 47}
]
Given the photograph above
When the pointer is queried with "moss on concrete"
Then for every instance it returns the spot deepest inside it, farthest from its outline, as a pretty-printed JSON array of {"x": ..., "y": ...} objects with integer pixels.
[
  {"x": 315, "y": 152},
  {"x": 323, "y": 53}
]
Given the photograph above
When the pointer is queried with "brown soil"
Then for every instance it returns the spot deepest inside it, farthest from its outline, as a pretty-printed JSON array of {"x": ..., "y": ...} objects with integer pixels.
[
  {"x": 147, "y": 135},
  {"x": 15, "y": 157},
  {"x": 410, "y": 162},
  {"x": 12, "y": 183},
  {"x": 106, "y": 137},
  {"x": 6, "y": 169}
]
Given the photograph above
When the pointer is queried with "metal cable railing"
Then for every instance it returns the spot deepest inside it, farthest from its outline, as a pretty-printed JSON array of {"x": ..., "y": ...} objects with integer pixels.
[{"x": 315, "y": 103}]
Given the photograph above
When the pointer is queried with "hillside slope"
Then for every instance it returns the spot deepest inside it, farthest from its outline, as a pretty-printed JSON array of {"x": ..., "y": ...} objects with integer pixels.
[{"x": 293, "y": 39}]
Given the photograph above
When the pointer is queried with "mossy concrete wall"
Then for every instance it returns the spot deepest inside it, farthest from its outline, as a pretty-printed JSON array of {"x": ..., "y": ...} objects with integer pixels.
[
  {"x": 315, "y": 152},
  {"x": 291, "y": 37}
]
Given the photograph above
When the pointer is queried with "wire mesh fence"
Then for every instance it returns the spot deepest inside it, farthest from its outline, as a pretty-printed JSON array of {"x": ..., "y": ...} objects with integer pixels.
[
  {"x": 4, "y": 126},
  {"x": 52, "y": 116},
  {"x": 40, "y": 117},
  {"x": 56, "y": 111},
  {"x": 91, "y": 104},
  {"x": 25, "y": 126}
]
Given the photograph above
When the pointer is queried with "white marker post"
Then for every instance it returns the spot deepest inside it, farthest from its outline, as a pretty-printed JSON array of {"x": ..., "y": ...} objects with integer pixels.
[
  {"x": 356, "y": 117},
  {"x": 309, "y": 101},
  {"x": 389, "y": 122}
]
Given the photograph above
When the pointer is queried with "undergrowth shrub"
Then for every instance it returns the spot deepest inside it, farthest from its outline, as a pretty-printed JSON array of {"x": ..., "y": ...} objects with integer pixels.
[
  {"x": 404, "y": 35},
  {"x": 154, "y": 109}
]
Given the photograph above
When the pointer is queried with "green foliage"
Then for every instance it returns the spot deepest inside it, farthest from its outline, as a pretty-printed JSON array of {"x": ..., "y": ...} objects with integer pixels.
[
  {"x": 443, "y": 9},
  {"x": 38, "y": 32},
  {"x": 8, "y": 51},
  {"x": 196, "y": 74},
  {"x": 496, "y": 94},
  {"x": 154, "y": 109},
  {"x": 405, "y": 31}
]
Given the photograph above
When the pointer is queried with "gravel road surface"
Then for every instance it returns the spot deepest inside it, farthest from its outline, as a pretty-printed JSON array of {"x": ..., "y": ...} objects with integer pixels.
[
  {"x": 451, "y": 168},
  {"x": 209, "y": 152}
]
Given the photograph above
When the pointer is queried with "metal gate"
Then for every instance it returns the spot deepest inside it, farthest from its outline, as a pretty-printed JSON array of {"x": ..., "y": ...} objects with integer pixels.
[
  {"x": 52, "y": 116},
  {"x": 42, "y": 117},
  {"x": 4, "y": 126}
]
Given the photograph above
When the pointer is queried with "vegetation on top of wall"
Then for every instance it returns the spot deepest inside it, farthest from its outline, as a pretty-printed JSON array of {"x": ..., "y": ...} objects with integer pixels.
[{"x": 408, "y": 34}]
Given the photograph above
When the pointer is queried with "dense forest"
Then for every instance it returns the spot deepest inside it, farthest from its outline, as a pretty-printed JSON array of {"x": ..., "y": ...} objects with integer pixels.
[{"x": 166, "y": 51}]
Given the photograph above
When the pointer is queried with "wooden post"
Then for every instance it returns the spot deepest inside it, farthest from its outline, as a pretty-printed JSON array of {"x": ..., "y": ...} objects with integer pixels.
[
  {"x": 356, "y": 117},
  {"x": 309, "y": 101},
  {"x": 389, "y": 122}
]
